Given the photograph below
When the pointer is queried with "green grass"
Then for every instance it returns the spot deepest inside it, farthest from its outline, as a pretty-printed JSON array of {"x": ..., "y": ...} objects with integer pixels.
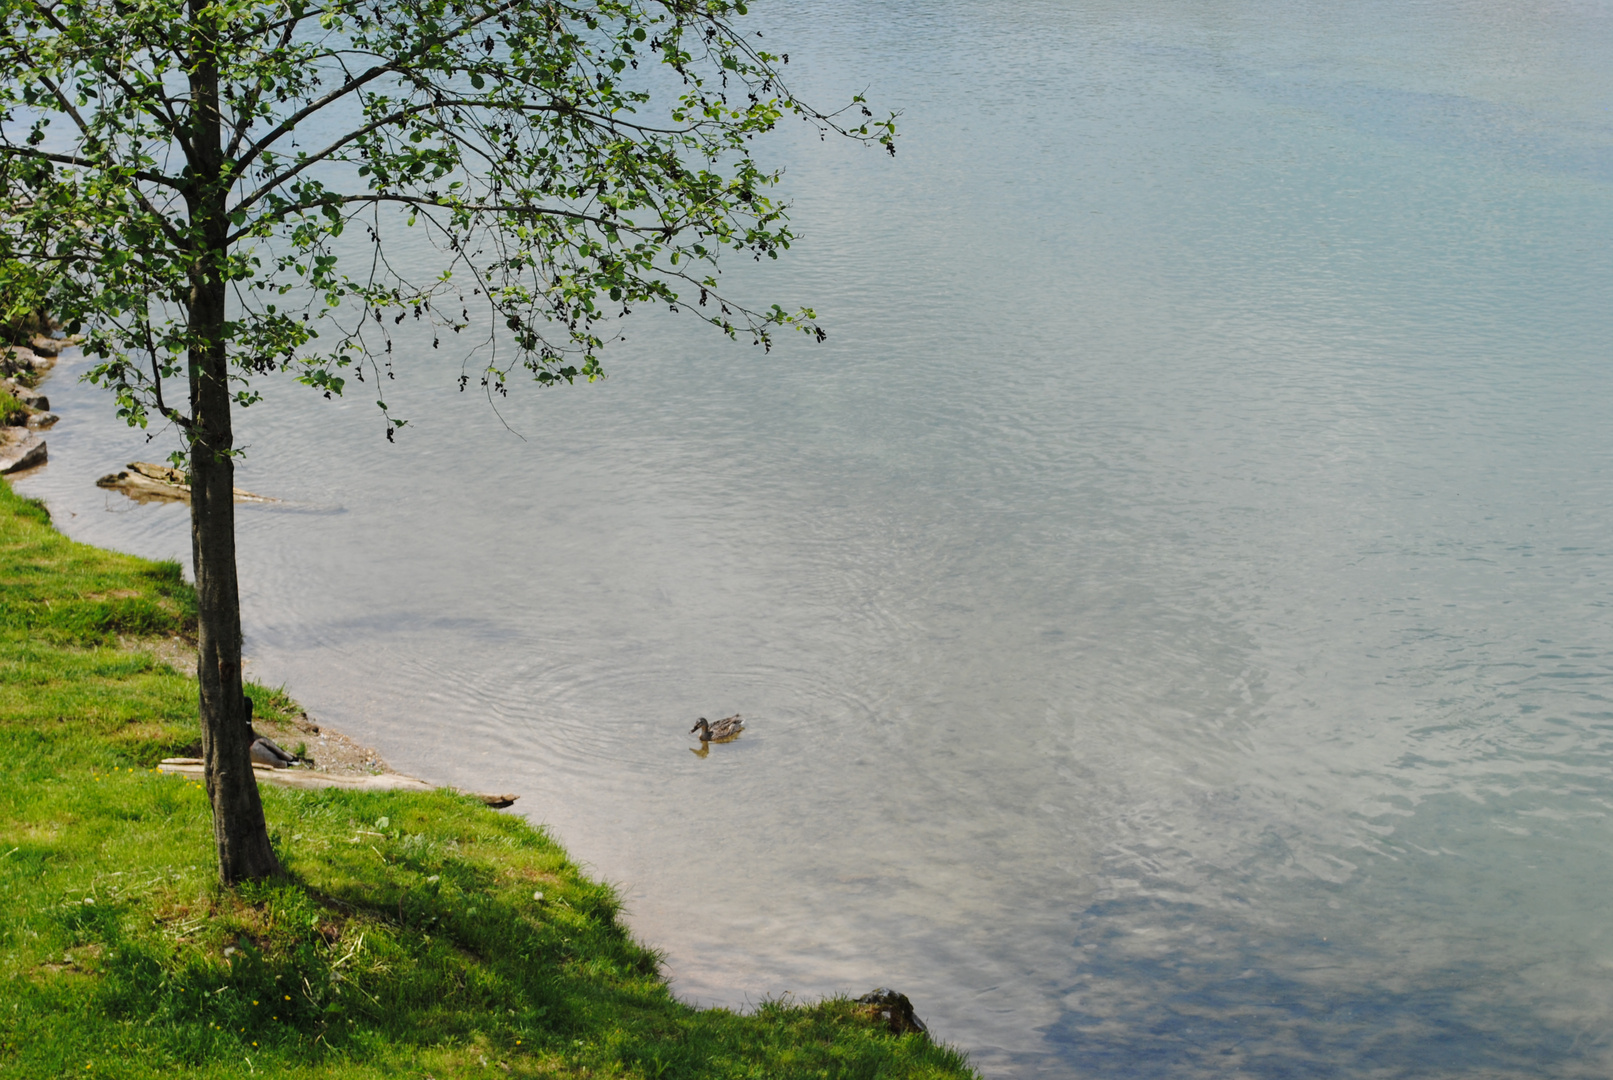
[
  {"x": 417, "y": 935},
  {"x": 13, "y": 413}
]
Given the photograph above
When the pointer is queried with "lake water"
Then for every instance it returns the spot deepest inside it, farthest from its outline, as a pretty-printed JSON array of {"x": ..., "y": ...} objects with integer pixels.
[{"x": 1173, "y": 609}]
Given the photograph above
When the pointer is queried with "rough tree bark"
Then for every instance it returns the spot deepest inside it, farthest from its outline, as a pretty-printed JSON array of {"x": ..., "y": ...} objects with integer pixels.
[{"x": 239, "y": 830}]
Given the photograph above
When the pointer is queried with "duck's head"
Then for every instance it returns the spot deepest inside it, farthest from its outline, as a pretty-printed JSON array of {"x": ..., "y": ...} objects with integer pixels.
[{"x": 701, "y": 725}]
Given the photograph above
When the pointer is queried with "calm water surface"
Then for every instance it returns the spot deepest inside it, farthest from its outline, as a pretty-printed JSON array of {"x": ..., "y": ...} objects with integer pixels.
[{"x": 1173, "y": 608}]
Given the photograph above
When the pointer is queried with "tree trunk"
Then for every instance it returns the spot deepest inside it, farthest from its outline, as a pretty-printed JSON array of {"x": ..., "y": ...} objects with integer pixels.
[
  {"x": 244, "y": 852},
  {"x": 238, "y": 825}
]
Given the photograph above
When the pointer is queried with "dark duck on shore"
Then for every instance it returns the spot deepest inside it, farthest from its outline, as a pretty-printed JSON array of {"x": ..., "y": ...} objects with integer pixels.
[
  {"x": 264, "y": 750},
  {"x": 723, "y": 730}
]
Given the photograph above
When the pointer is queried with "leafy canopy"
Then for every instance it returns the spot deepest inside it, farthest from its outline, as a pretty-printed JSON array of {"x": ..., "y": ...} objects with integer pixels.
[{"x": 570, "y": 160}]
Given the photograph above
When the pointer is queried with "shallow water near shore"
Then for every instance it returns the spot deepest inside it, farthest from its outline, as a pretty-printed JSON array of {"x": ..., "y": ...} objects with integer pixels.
[{"x": 1172, "y": 610}]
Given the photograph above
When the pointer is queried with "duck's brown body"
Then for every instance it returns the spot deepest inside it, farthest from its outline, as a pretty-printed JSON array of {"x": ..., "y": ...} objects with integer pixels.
[{"x": 723, "y": 730}]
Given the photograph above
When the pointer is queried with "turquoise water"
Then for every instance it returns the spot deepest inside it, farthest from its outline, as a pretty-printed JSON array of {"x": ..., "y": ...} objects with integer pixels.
[{"x": 1172, "y": 609}]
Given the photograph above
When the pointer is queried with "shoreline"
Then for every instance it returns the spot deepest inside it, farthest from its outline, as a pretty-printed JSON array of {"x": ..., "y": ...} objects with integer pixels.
[
  {"x": 23, "y": 451},
  {"x": 880, "y": 1028},
  {"x": 24, "y": 367},
  {"x": 431, "y": 884},
  {"x": 415, "y": 933}
]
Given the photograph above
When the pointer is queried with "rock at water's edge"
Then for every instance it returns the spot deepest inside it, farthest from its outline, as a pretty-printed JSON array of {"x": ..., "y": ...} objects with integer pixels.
[
  {"x": 51, "y": 346},
  {"x": 17, "y": 358},
  {"x": 24, "y": 453},
  {"x": 893, "y": 1010},
  {"x": 27, "y": 395},
  {"x": 143, "y": 489},
  {"x": 144, "y": 481}
]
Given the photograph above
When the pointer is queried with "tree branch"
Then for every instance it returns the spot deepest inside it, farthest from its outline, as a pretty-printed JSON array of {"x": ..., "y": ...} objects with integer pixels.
[
  {"x": 313, "y": 159},
  {"x": 250, "y": 105},
  {"x": 67, "y": 107},
  {"x": 416, "y": 201},
  {"x": 290, "y": 123},
  {"x": 85, "y": 163},
  {"x": 349, "y": 87},
  {"x": 174, "y": 416},
  {"x": 175, "y": 127}
]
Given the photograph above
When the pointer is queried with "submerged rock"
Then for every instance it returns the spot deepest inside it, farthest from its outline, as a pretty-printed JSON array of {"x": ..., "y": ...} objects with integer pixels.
[
  {"x": 144, "y": 489},
  {"x": 166, "y": 473},
  {"x": 145, "y": 481}
]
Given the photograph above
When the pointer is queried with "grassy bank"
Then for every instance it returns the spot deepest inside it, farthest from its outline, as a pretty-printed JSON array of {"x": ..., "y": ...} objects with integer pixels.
[{"x": 418, "y": 935}]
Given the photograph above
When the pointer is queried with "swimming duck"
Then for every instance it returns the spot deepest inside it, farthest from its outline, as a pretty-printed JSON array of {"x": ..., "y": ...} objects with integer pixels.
[{"x": 723, "y": 730}]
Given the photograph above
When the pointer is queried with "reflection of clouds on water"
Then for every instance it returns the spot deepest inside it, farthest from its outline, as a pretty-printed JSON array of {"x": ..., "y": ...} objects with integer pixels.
[
  {"x": 1491, "y": 133},
  {"x": 1163, "y": 991},
  {"x": 1418, "y": 963}
]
